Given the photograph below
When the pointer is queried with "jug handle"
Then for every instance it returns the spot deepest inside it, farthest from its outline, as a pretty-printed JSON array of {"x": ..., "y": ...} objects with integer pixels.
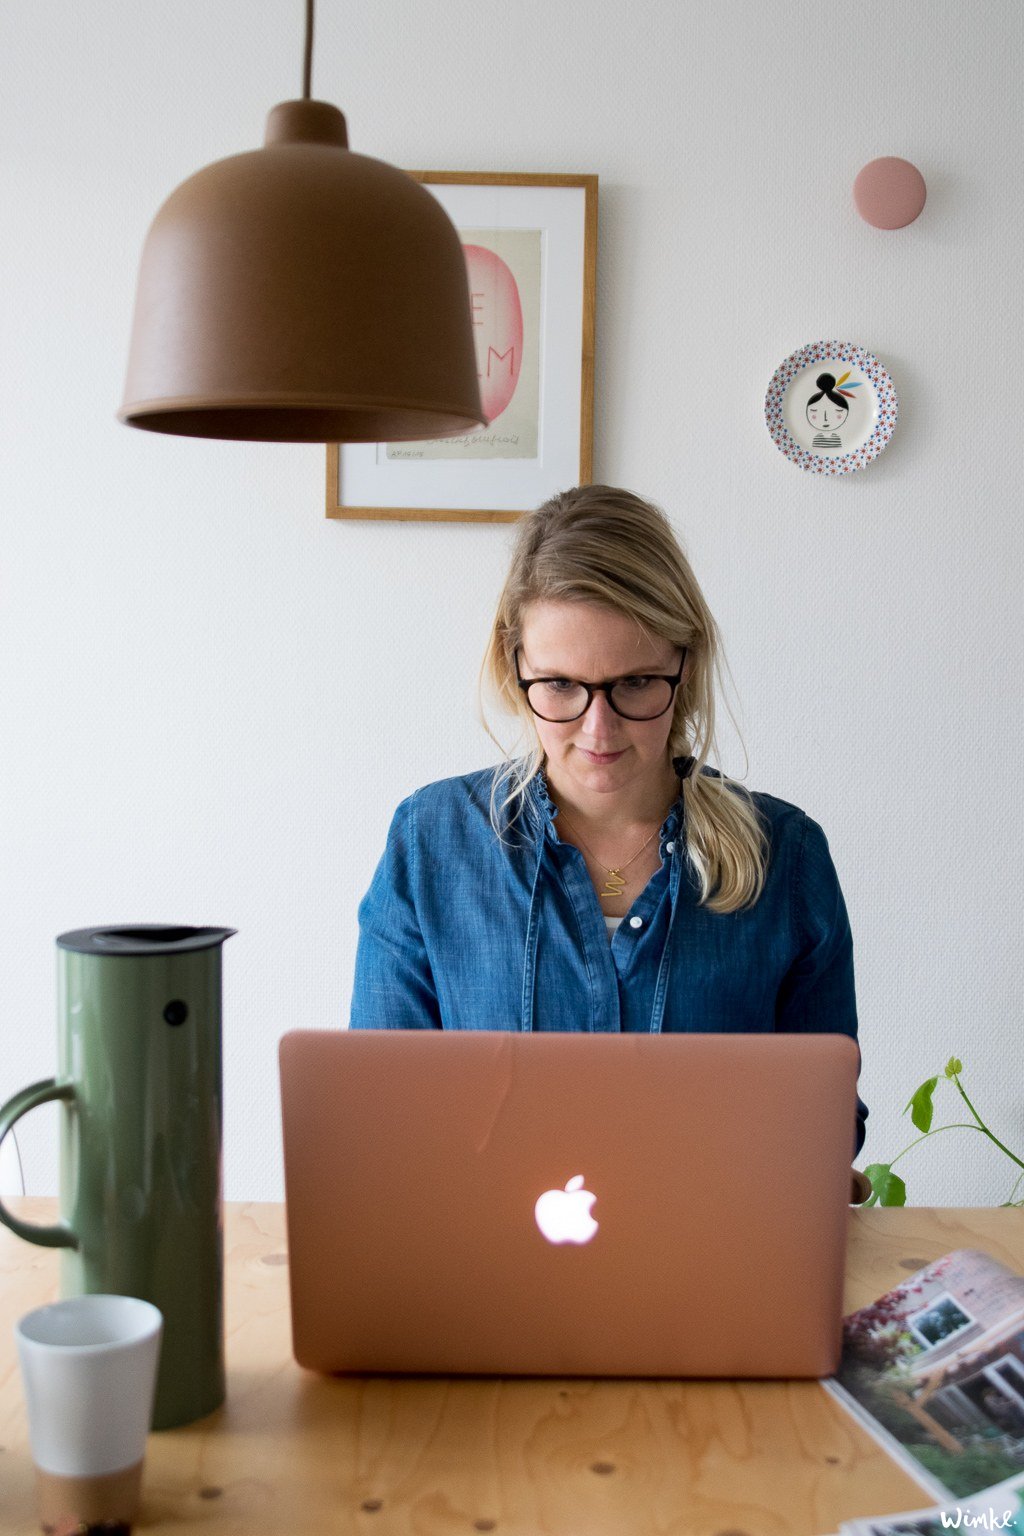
[{"x": 60, "y": 1236}]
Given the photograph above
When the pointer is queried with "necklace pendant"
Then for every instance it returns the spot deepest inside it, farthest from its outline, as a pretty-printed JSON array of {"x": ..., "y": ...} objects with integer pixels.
[{"x": 614, "y": 884}]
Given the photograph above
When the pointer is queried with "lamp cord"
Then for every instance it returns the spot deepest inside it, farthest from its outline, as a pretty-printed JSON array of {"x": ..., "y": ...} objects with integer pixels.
[{"x": 307, "y": 66}]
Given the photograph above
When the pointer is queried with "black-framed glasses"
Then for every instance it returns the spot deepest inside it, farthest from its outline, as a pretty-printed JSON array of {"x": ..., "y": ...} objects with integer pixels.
[{"x": 644, "y": 696}]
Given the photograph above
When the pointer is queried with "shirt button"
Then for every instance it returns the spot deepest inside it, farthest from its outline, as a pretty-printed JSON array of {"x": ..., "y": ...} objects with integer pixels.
[
  {"x": 670, "y": 847},
  {"x": 636, "y": 922}
]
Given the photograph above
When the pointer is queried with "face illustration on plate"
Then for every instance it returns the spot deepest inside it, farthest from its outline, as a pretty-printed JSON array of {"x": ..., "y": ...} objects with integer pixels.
[{"x": 828, "y": 409}]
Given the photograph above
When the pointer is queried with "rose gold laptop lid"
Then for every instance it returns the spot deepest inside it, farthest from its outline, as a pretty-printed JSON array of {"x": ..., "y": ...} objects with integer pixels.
[{"x": 567, "y": 1204}]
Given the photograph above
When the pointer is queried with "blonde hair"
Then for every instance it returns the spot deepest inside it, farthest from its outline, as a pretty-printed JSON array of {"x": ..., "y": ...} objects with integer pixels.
[{"x": 599, "y": 544}]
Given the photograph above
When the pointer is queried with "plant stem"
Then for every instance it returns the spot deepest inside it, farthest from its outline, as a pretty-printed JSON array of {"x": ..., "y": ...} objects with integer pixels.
[
  {"x": 965, "y": 1125},
  {"x": 983, "y": 1126}
]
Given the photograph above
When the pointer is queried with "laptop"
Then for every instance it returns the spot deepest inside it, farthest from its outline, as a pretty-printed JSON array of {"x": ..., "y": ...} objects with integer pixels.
[{"x": 496, "y": 1203}]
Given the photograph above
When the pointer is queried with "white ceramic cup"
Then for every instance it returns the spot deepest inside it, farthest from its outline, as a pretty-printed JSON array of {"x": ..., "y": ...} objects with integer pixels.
[{"x": 89, "y": 1369}]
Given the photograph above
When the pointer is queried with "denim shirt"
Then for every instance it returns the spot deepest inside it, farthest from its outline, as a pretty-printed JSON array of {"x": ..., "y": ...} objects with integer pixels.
[{"x": 461, "y": 930}]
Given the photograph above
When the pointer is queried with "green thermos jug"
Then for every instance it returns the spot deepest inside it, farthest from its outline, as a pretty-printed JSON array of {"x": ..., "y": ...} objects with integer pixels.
[{"x": 139, "y": 1081}]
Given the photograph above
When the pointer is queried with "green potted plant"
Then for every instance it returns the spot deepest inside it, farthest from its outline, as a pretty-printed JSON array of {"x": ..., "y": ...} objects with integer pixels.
[{"x": 887, "y": 1188}]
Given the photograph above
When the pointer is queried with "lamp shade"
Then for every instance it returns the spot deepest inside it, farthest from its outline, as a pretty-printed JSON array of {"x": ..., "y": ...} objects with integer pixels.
[{"x": 302, "y": 293}]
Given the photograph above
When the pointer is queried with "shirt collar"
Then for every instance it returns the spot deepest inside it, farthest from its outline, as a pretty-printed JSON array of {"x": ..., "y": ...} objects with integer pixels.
[{"x": 544, "y": 810}]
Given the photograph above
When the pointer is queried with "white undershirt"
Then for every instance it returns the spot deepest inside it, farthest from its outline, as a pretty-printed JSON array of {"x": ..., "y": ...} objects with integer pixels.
[{"x": 611, "y": 924}]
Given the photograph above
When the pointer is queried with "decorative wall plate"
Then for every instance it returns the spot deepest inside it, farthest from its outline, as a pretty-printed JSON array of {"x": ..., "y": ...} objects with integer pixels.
[{"x": 831, "y": 407}]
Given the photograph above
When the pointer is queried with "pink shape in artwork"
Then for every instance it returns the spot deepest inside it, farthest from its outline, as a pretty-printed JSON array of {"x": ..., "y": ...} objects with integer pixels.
[{"x": 497, "y": 315}]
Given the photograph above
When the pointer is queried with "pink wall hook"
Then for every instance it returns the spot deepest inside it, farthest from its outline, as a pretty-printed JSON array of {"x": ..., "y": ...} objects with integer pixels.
[{"x": 889, "y": 192}]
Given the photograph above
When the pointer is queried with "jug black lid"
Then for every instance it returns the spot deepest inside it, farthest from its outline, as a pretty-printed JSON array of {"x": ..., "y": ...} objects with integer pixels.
[{"x": 142, "y": 939}]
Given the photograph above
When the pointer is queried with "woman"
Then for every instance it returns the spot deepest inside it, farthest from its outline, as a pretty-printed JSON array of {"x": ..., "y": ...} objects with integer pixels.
[{"x": 607, "y": 879}]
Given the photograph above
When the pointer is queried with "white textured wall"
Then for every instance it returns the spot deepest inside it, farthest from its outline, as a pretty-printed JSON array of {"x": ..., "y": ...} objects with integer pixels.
[{"x": 193, "y": 657}]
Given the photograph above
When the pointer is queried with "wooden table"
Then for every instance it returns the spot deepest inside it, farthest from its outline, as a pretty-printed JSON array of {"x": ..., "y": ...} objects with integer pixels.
[{"x": 294, "y": 1453}]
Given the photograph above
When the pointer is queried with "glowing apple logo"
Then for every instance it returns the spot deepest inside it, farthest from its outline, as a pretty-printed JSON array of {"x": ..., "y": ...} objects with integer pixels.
[{"x": 563, "y": 1215}]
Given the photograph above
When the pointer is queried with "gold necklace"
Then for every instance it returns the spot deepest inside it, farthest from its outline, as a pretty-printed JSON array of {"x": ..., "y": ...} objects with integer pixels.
[{"x": 614, "y": 884}]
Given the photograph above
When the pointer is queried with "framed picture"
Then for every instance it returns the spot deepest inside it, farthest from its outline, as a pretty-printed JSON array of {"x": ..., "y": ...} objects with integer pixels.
[{"x": 531, "y": 257}]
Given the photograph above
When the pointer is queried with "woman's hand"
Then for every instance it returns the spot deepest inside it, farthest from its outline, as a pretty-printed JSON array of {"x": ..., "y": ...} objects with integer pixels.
[{"x": 860, "y": 1187}]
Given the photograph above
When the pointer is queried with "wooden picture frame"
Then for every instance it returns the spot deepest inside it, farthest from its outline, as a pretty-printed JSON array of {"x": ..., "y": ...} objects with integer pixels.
[{"x": 536, "y": 237}]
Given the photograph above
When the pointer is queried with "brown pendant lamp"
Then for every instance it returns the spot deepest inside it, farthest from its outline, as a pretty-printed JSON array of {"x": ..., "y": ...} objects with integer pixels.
[{"x": 302, "y": 293}]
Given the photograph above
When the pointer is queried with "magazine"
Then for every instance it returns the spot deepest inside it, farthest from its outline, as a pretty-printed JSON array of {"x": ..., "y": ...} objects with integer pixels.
[
  {"x": 934, "y": 1370},
  {"x": 997, "y": 1509}
]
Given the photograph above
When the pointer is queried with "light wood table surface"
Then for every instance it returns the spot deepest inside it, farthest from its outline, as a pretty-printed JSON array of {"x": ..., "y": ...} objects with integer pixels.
[{"x": 294, "y": 1453}]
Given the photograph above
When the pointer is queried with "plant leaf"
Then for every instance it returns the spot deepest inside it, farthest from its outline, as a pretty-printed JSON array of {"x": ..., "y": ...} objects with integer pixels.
[
  {"x": 953, "y": 1066},
  {"x": 888, "y": 1186},
  {"x": 921, "y": 1107}
]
